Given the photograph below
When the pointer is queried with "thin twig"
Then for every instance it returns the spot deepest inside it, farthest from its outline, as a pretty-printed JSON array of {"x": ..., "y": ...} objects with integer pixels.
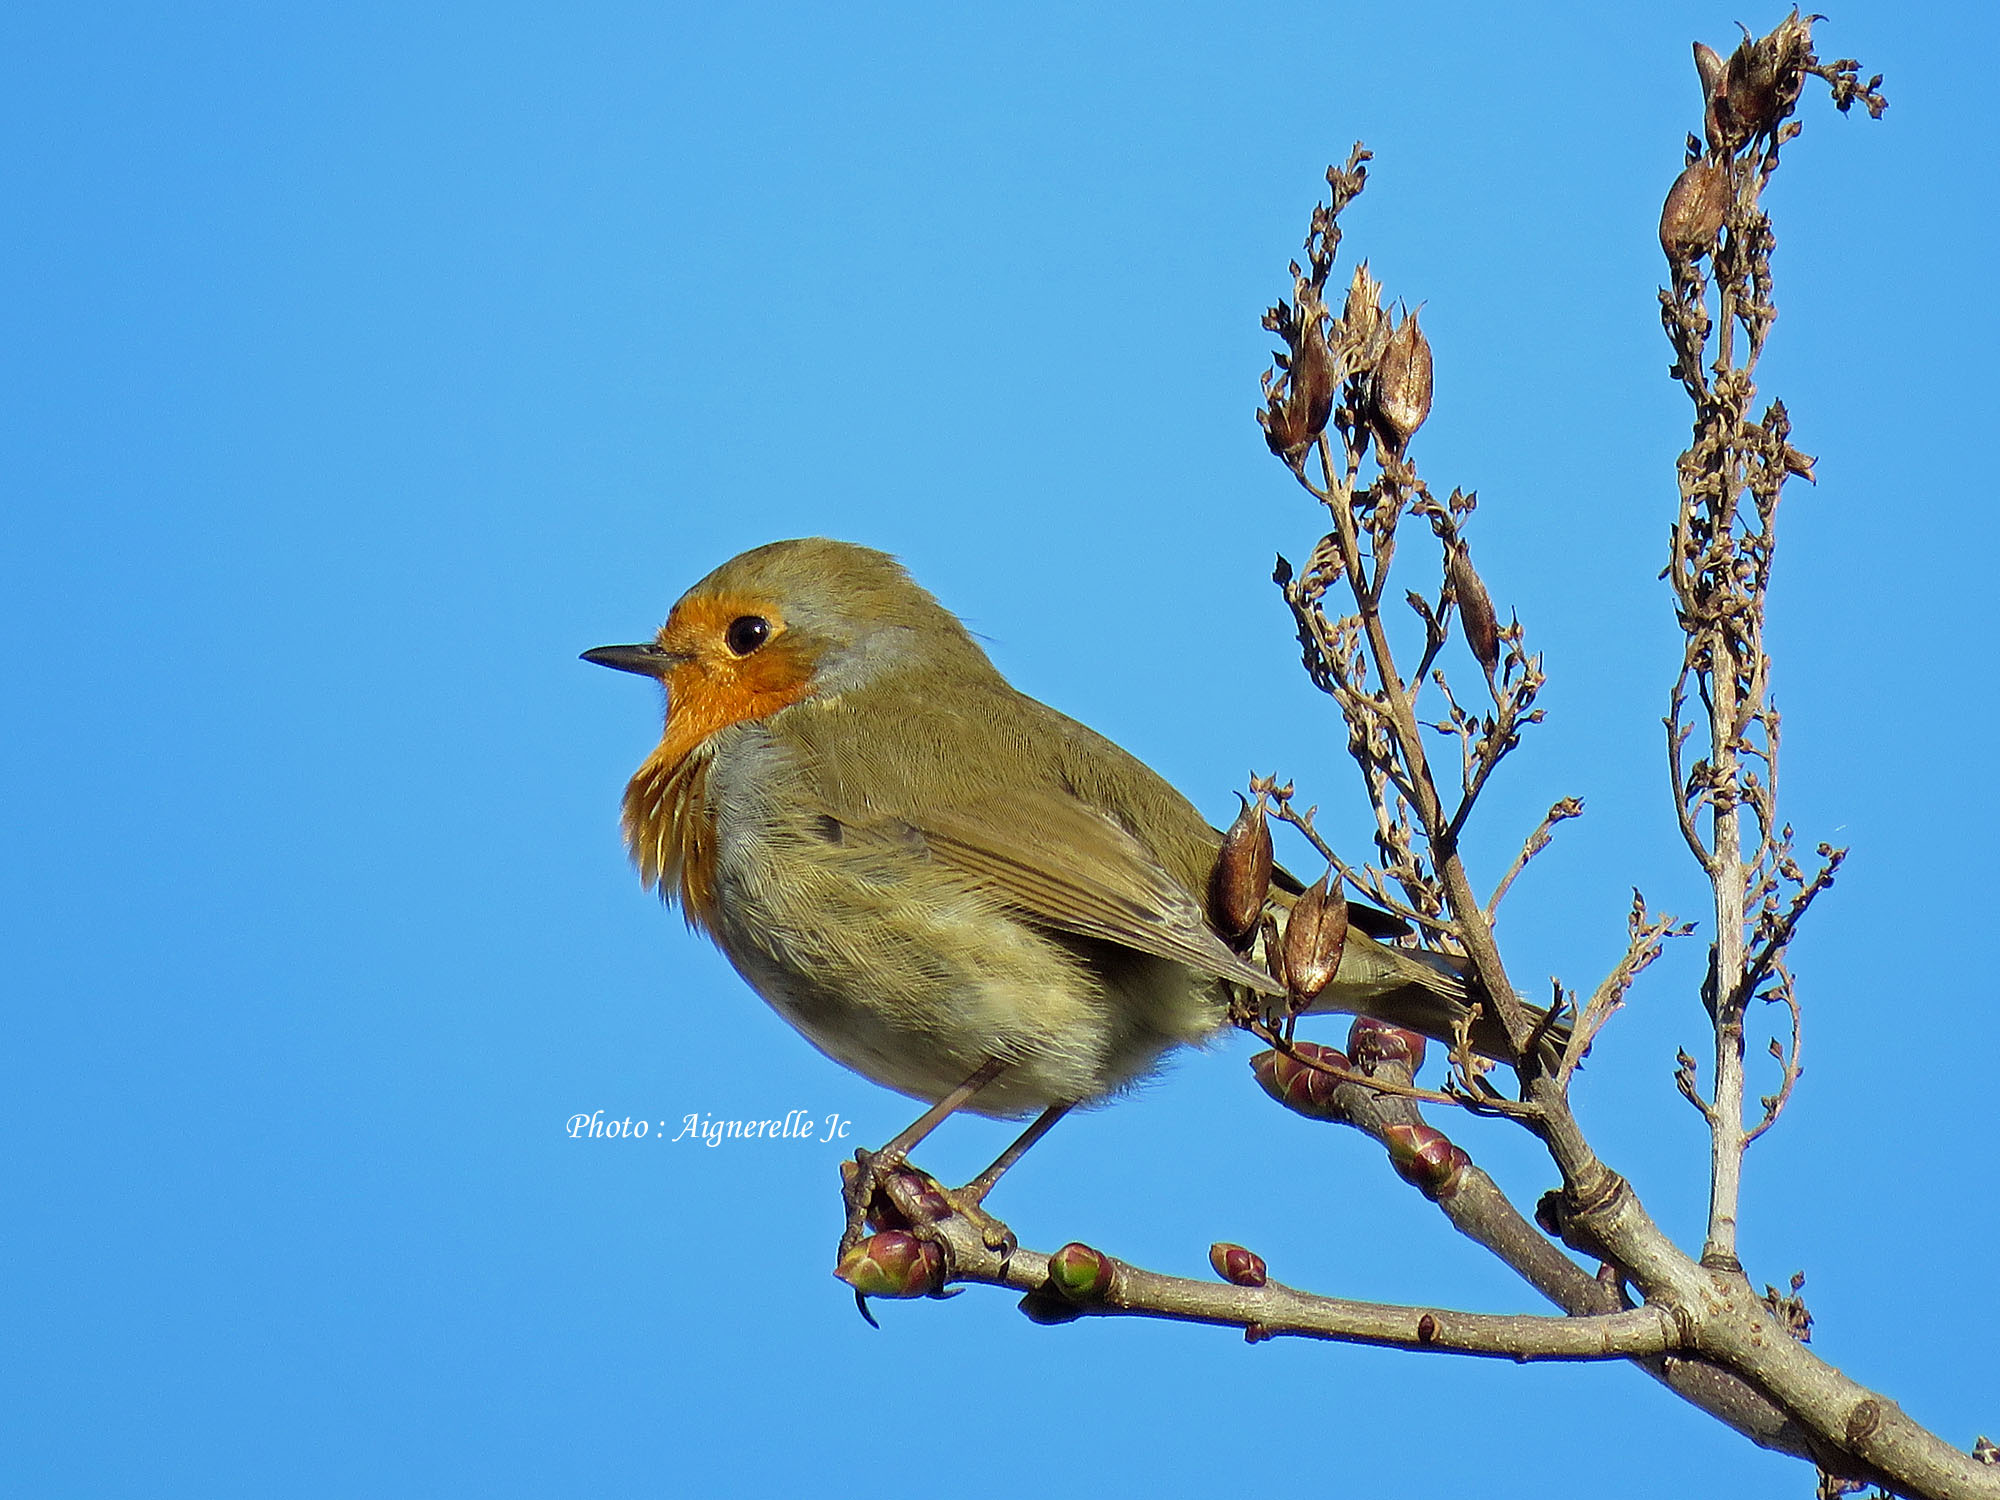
[{"x": 1568, "y": 807}]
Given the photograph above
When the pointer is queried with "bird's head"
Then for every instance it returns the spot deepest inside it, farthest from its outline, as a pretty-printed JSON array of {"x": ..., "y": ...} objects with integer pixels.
[{"x": 785, "y": 623}]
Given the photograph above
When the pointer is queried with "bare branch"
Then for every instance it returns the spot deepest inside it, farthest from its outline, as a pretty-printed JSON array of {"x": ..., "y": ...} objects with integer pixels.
[
  {"x": 1647, "y": 936},
  {"x": 1568, "y": 807}
]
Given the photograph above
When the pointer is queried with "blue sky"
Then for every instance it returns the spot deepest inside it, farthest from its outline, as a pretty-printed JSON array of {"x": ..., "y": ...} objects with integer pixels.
[{"x": 364, "y": 364}]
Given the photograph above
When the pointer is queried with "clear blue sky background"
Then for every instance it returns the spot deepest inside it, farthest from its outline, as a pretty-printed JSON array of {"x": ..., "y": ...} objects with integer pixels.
[{"x": 365, "y": 363}]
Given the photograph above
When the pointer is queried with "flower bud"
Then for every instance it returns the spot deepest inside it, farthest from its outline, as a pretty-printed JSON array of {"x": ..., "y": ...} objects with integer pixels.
[
  {"x": 1299, "y": 1086},
  {"x": 1372, "y": 1043},
  {"x": 1475, "y": 610},
  {"x": 1399, "y": 390},
  {"x": 1242, "y": 876},
  {"x": 1235, "y": 1264},
  {"x": 893, "y": 1263},
  {"x": 1425, "y": 1158},
  {"x": 1080, "y": 1273},
  {"x": 1691, "y": 218}
]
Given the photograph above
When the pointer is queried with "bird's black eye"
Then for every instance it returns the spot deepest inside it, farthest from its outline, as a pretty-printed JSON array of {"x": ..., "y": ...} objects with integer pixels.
[{"x": 746, "y": 633}]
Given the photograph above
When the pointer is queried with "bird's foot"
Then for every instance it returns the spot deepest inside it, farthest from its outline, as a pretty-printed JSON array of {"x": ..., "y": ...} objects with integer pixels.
[
  {"x": 860, "y": 1186},
  {"x": 893, "y": 1246},
  {"x": 881, "y": 1193},
  {"x": 968, "y": 1203}
]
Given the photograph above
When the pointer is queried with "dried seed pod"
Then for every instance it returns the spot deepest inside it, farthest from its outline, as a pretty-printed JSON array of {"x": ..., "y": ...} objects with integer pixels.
[
  {"x": 1399, "y": 389},
  {"x": 1691, "y": 218},
  {"x": 1080, "y": 1273},
  {"x": 1242, "y": 877},
  {"x": 1299, "y": 1086},
  {"x": 1707, "y": 66},
  {"x": 1371, "y": 1043},
  {"x": 1235, "y": 1264},
  {"x": 1315, "y": 932},
  {"x": 1298, "y": 402},
  {"x": 1284, "y": 429},
  {"x": 1475, "y": 610},
  {"x": 1751, "y": 94},
  {"x": 1717, "y": 121},
  {"x": 892, "y": 1264},
  {"x": 1425, "y": 1158},
  {"x": 1361, "y": 314},
  {"x": 1313, "y": 376}
]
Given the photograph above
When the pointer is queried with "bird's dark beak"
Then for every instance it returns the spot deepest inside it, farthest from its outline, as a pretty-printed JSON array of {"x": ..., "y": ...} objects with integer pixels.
[{"x": 648, "y": 660}]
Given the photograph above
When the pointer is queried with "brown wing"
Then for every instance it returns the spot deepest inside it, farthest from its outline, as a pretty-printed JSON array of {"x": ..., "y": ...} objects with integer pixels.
[{"x": 1067, "y": 866}]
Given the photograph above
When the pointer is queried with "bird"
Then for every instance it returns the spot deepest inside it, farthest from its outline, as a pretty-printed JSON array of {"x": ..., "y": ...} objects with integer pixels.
[{"x": 942, "y": 883}]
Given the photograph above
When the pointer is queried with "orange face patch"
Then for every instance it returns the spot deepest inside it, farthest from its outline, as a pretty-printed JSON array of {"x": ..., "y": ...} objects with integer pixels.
[
  {"x": 715, "y": 687},
  {"x": 668, "y": 823}
]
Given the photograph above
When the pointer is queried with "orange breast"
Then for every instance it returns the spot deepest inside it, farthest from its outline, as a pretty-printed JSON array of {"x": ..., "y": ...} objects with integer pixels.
[
  {"x": 669, "y": 822},
  {"x": 670, "y": 829}
]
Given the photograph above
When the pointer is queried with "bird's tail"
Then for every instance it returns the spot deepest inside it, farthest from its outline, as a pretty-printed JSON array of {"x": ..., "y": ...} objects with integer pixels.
[{"x": 1434, "y": 996}]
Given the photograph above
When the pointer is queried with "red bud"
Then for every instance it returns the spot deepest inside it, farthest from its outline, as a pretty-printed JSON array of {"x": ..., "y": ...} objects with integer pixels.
[
  {"x": 1234, "y": 1263},
  {"x": 1425, "y": 1159},
  {"x": 892, "y": 1264},
  {"x": 1299, "y": 1086},
  {"x": 1373, "y": 1043}
]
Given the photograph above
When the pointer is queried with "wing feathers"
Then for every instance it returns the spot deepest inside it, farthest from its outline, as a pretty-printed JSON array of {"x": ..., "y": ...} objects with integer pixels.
[{"x": 1072, "y": 868}]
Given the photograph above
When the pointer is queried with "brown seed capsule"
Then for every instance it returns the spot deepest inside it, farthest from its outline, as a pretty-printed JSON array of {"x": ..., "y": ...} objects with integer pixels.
[
  {"x": 1360, "y": 315},
  {"x": 1299, "y": 1086},
  {"x": 1315, "y": 932},
  {"x": 1372, "y": 1043},
  {"x": 1691, "y": 218},
  {"x": 1242, "y": 877},
  {"x": 1475, "y": 610},
  {"x": 1708, "y": 65},
  {"x": 1284, "y": 429},
  {"x": 1751, "y": 94},
  {"x": 1298, "y": 403},
  {"x": 1235, "y": 1264},
  {"x": 1313, "y": 377},
  {"x": 892, "y": 1264},
  {"x": 1399, "y": 390}
]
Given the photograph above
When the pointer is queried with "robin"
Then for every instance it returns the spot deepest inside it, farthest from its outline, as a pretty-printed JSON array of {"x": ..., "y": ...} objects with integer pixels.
[{"x": 945, "y": 885}]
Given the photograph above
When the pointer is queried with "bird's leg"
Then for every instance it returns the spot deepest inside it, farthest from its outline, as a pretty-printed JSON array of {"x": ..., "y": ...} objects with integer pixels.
[
  {"x": 872, "y": 1166},
  {"x": 970, "y": 1199},
  {"x": 981, "y": 1185}
]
